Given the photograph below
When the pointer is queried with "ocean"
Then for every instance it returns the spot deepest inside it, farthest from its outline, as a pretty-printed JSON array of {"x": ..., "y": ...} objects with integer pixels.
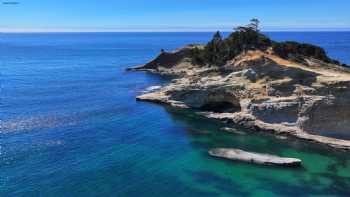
[{"x": 70, "y": 125}]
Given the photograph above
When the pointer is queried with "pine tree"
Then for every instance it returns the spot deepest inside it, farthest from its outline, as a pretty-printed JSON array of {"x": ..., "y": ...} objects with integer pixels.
[
  {"x": 213, "y": 47},
  {"x": 254, "y": 24}
]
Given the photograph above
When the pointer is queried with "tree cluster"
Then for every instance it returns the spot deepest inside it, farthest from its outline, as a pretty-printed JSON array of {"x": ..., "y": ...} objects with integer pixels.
[{"x": 218, "y": 51}]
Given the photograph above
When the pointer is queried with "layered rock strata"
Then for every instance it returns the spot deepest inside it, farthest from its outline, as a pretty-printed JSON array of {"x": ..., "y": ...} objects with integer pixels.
[{"x": 261, "y": 91}]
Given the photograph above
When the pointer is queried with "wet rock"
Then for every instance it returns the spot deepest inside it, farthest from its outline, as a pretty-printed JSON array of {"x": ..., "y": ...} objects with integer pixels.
[{"x": 256, "y": 158}]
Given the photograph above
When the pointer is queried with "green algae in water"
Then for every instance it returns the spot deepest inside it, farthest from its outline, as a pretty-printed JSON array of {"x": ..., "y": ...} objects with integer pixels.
[{"x": 324, "y": 170}]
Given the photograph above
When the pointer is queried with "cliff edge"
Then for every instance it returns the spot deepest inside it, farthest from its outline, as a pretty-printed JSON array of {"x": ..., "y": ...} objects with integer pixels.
[{"x": 287, "y": 88}]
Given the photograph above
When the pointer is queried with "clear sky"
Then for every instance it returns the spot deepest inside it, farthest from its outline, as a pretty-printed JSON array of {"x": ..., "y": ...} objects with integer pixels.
[{"x": 172, "y": 15}]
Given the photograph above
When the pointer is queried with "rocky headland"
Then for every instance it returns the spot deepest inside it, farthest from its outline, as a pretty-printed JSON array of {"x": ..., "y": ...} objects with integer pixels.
[{"x": 288, "y": 88}]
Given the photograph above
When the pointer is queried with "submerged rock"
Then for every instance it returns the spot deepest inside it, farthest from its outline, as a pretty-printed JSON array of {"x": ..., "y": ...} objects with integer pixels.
[
  {"x": 281, "y": 137},
  {"x": 233, "y": 130},
  {"x": 257, "y": 158}
]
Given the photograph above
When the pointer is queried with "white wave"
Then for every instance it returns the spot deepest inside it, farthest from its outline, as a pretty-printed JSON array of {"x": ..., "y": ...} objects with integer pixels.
[{"x": 152, "y": 88}]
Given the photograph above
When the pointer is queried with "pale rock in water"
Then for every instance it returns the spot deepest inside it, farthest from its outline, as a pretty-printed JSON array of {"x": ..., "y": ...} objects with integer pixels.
[{"x": 251, "y": 157}]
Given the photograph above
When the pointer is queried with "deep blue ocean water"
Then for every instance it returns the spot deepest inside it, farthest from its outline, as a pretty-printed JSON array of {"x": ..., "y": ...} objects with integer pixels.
[{"x": 70, "y": 125}]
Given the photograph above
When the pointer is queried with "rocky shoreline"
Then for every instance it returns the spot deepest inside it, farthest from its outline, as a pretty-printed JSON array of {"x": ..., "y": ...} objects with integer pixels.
[{"x": 304, "y": 97}]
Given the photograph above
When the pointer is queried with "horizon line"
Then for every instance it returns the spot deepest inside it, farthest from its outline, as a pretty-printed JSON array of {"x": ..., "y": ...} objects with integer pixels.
[
  {"x": 190, "y": 31},
  {"x": 166, "y": 29}
]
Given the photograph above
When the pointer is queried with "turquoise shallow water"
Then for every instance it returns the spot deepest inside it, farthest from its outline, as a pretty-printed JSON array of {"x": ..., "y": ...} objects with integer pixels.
[{"x": 70, "y": 126}]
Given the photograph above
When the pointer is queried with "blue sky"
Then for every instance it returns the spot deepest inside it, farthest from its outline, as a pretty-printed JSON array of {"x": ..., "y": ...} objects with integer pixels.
[{"x": 172, "y": 15}]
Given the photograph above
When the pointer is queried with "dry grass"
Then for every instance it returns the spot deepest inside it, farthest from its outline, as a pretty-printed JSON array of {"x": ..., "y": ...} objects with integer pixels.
[{"x": 326, "y": 75}]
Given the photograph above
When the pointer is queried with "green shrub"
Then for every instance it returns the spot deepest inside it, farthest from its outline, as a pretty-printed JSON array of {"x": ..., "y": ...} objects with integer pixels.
[{"x": 291, "y": 49}]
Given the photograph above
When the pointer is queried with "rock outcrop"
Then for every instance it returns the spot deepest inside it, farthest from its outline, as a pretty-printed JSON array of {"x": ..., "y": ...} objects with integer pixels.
[
  {"x": 260, "y": 90},
  {"x": 256, "y": 158}
]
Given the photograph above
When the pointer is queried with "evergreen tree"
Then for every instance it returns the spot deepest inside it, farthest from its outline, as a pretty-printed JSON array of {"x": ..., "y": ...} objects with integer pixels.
[
  {"x": 254, "y": 24},
  {"x": 218, "y": 51},
  {"x": 212, "y": 50}
]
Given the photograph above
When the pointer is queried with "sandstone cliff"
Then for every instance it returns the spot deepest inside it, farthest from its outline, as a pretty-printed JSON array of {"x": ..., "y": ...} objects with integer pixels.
[{"x": 306, "y": 97}]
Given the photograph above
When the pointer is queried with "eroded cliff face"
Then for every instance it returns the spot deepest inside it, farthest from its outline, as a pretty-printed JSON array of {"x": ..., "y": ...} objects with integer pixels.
[{"x": 261, "y": 91}]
